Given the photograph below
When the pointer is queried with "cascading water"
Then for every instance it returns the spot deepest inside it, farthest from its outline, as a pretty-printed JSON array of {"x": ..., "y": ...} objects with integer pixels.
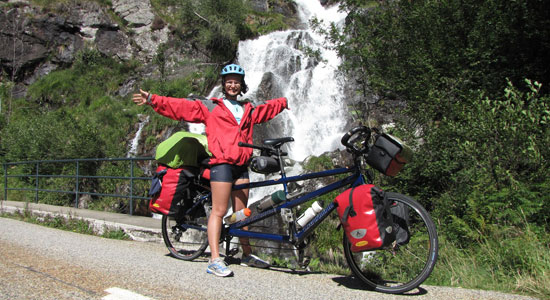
[{"x": 135, "y": 141}]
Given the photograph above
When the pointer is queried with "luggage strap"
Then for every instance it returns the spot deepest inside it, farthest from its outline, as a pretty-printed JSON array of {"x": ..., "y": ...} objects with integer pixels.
[{"x": 349, "y": 211}]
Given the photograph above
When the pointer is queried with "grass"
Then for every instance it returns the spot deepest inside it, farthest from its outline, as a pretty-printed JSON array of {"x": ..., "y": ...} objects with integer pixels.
[
  {"x": 517, "y": 263},
  {"x": 69, "y": 223}
]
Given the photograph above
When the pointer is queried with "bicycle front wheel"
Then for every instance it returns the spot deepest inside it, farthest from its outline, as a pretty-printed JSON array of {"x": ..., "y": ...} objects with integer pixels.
[
  {"x": 185, "y": 236},
  {"x": 405, "y": 264}
]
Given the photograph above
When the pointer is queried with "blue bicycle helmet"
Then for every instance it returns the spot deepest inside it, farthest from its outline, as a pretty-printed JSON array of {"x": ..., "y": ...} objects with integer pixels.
[{"x": 232, "y": 69}]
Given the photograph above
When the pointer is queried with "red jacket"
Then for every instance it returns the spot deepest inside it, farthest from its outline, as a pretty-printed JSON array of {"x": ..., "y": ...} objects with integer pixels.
[{"x": 222, "y": 130}]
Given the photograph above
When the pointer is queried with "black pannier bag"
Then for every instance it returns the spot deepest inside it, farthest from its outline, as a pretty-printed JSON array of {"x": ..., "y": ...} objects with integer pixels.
[
  {"x": 265, "y": 164},
  {"x": 400, "y": 214},
  {"x": 389, "y": 154}
]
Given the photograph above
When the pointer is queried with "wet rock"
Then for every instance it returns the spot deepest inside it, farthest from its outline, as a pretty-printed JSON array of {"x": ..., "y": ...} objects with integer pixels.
[
  {"x": 268, "y": 88},
  {"x": 259, "y": 5},
  {"x": 114, "y": 43}
]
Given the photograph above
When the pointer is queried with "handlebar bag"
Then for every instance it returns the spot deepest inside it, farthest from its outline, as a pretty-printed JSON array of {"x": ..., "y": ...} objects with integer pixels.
[
  {"x": 365, "y": 214},
  {"x": 389, "y": 154},
  {"x": 175, "y": 193}
]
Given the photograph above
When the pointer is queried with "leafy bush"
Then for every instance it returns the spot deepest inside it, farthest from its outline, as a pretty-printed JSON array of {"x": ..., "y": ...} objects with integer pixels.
[
  {"x": 53, "y": 135},
  {"x": 502, "y": 146},
  {"x": 264, "y": 23},
  {"x": 451, "y": 67},
  {"x": 91, "y": 76}
]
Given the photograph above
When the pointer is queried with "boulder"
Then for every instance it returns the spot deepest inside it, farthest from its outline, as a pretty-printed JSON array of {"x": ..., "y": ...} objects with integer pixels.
[
  {"x": 136, "y": 13},
  {"x": 31, "y": 39}
]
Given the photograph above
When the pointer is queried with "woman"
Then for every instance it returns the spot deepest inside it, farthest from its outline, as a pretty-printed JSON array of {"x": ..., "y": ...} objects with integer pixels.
[{"x": 227, "y": 123}]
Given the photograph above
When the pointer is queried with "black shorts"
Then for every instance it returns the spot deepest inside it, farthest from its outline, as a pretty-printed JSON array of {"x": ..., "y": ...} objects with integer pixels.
[{"x": 228, "y": 173}]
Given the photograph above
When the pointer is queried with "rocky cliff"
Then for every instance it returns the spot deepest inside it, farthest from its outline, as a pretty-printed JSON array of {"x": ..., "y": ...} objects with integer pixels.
[{"x": 37, "y": 39}]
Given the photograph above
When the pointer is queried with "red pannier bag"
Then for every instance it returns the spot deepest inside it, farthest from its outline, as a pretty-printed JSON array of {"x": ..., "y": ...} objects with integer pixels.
[
  {"x": 170, "y": 190},
  {"x": 366, "y": 217}
]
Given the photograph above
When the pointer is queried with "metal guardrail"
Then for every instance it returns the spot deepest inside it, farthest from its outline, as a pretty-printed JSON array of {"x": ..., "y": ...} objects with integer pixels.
[{"x": 77, "y": 177}]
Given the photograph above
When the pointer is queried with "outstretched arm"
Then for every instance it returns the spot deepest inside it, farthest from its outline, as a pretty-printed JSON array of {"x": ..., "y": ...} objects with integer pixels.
[
  {"x": 265, "y": 112},
  {"x": 179, "y": 109}
]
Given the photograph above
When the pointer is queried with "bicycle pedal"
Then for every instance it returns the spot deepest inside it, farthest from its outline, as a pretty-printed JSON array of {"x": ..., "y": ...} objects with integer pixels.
[
  {"x": 305, "y": 263},
  {"x": 233, "y": 251}
]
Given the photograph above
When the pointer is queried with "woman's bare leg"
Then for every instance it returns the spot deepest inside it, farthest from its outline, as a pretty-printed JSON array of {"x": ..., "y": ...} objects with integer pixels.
[
  {"x": 221, "y": 191},
  {"x": 240, "y": 200}
]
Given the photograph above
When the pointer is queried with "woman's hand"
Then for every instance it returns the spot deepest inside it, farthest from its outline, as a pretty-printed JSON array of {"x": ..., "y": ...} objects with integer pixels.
[{"x": 140, "y": 98}]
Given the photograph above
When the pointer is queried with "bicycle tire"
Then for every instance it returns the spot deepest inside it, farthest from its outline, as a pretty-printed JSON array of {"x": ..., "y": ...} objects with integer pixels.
[
  {"x": 399, "y": 268},
  {"x": 185, "y": 236}
]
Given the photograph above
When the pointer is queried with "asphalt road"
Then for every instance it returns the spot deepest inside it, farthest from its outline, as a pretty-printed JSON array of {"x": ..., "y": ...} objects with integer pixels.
[{"x": 43, "y": 263}]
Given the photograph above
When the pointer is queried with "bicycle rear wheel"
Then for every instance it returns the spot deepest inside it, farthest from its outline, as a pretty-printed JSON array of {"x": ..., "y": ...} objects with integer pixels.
[
  {"x": 185, "y": 236},
  {"x": 399, "y": 268}
]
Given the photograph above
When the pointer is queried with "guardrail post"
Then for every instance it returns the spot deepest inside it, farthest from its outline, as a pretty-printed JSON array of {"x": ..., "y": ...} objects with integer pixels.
[
  {"x": 5, "y": 181},
  {"x": 76, "y": 185},
  {"x": 131, "y": 186},
  {"x": 36, "y": 184}
]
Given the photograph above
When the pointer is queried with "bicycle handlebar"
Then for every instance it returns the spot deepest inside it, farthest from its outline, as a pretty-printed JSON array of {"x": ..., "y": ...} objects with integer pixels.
[{"x": 354, "y": 131}]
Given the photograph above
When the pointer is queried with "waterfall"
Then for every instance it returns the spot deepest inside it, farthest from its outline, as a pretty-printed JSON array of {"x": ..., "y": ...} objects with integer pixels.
[
  {"x": 135, "y": 141},
  {"x": 317, "y": 113}
]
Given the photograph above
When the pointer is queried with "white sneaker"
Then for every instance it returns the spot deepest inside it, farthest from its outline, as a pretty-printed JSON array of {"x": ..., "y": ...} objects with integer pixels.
[
  {"x": 254, "y": 261},
  {"x": 218, "y": 267}
]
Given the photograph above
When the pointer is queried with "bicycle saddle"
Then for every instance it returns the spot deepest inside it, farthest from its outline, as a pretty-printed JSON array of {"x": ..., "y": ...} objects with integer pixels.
[{"x": 278, "y": 142}]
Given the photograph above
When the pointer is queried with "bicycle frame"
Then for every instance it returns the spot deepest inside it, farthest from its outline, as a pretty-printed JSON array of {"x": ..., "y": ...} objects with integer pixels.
[{"x": 296, "y": 237}]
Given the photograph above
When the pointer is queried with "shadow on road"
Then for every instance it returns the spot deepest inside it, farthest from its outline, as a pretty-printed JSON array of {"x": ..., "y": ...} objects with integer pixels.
[{"x": 354, "y": 283}]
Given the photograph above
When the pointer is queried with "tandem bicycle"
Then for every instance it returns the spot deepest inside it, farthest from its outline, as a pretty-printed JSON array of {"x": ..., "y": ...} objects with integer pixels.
[{"x": 396, "y": 268}]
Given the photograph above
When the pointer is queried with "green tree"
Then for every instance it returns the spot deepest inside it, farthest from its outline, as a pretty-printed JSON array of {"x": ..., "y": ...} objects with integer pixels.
[
  {"x": 478, "y": 161},
  {"x": 415, "y": 49}
]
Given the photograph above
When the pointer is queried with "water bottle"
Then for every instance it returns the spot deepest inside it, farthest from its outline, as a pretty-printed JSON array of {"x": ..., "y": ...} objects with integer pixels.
[
  {"x": 271, "y": 200},
  {"x": 237, "y": 216},
  {"x": 309, "y": 214}
]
